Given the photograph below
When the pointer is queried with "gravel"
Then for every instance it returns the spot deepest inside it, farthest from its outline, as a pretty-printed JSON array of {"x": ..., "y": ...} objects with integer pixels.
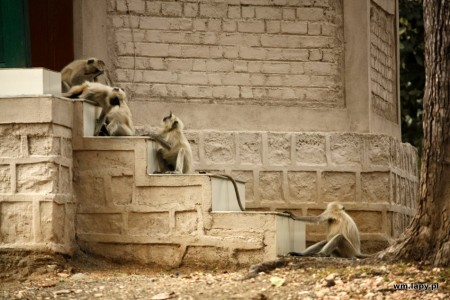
[{"x": 85, "y": 277}]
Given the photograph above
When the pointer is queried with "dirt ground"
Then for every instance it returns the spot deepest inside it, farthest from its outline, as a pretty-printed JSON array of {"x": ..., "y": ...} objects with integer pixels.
[{"x": 27, "y": 275}]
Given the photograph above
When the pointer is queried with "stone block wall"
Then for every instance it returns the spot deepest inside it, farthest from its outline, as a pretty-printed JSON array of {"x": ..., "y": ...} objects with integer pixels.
[
  {"x": 376, "y": 176},
  {"x": 37, "y": 208}
]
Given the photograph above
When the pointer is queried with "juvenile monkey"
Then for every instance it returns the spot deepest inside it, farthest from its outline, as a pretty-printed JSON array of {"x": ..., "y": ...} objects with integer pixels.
[
  {"x": 81, "y": 70},
  {"x": 342, "y": 234},
  {"x": 178, "y": 158},
  {"x": 115, "y": 115}
]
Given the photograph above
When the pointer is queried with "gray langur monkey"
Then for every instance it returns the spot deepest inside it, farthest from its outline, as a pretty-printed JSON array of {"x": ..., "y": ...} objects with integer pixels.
[
  {"x": 81, "y": 70},
  {"x": 115, "y": 118},
  {"x": 342, "y": 234},
  {"x": 178, "y": 158}
]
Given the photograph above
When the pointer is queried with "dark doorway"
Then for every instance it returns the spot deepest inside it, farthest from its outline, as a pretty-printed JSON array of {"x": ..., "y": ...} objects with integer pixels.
[
  {"x": 51, "y": 33},
  {"x": 36, "y": 33}
]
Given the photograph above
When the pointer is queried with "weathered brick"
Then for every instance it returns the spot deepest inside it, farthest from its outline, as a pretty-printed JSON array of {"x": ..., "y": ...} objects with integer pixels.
[
  {"x": 279, "y": 148},
  {"x": 288, "y": 14},
  {"x": 239, "y": 39},
  {"x": 275, "y": 68},
  {"x": 226, "y": 92},
  {"x": 315, "y": 54},
  {"x": 37, "y": 178},
  {"x": 329, "y": 29},
  {"x": 5, "y": 179},
  {"x": 10, "y": 145},
  {"x": 310, "y": 14},
  {"x": 338, "y": 186},
  {"x": 216, "y": 10},
  {"x": 220, "y": 147},
  {"x": 234, "y": 12},
  {"x": 310, "y": 149},
  {"x": 214, "y": 25},
  {"x": 154, "y": 8},
  {"x": 195, "y": 51},
  {"x": 378, "y": 151},
  {"x": 294, "y": 27},
  {"x": 44, "y": 145},
  {"x": 186, "y": 222},
  {"x": 197, "y": 91},
  {"x": 250, "y": 148},
  {"x": 346, "y": 149},
  {"x": 122, "y": 189},
  {"x": 192, "y": 78},
  {"x": 136, "y": 6},
  {"x": 16, "y": 221},
  {"x": 273, "y": 26},
  {"x": 251, "y": 26},
  {"x": 99, "y": 223},
  {"x": 52, "y": 219},
  {"x": 252, "y": 53},
  {"x": 248, "y": 12},
  {"x": 104, "y": 160},
  {"x": 375, "y": 187},
  {"x": 191, "y": 9},
  {"x": 367, "y": 221},
  {"x": 321, "y": 68},
  {"x": 159, "y": 76},
  {"x": 314, "y": 28},
  {"x": 150, "y": 49},
  {"x": 199, "y": 24},
  {"x": 65, "y": 183},
  {"x": 268, "y": 13},
  {"x": 148, "y": 223},
  {"x": 270, "y": 185},
  {"x": 229, "y": 26},
  {"x": 89, "y": 191},
  {"x": 219, "y": 65},
  {"x": 302, "y": 186}
]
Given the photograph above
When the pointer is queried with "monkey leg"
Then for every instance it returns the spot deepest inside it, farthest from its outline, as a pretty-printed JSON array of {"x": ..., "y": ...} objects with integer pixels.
[
  {"x": 99, "y": 122},
  {"x": 313, "y": 249},
  {"x": 180, "y": 162},
  {"x": 340, "y": 245},
  {"x": 162, "y": 163}
]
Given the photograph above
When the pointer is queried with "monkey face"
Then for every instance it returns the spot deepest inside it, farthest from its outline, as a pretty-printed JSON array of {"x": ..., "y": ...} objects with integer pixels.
[
  {"x": 172, "y": 122},
  {"x": 94, "y": 67},
  {"x": 117, "y": 97}
]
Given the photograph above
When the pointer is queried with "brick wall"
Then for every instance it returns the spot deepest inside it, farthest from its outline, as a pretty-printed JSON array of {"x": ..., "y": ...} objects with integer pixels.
[
  {"x": 286, "y": 53},
  {"x": 383, "y": 63}
]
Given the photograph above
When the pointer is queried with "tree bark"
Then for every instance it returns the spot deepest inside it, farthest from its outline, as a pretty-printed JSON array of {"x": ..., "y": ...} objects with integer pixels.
[{"x": 428, "y": 236}]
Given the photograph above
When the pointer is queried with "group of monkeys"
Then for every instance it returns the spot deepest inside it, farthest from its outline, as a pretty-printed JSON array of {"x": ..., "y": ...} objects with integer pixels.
[
  {"x": 79, "y": 80},
  {"x": 174, "y": 155}
]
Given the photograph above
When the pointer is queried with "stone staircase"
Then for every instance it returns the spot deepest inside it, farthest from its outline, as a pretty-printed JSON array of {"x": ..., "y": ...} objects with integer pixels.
[{"x": 127, "y": 213}]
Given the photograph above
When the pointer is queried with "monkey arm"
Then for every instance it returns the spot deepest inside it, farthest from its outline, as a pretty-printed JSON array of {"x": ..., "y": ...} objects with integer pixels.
[
  {"x": 158, "y": 139},
  {"x": 307, "y": 219}
]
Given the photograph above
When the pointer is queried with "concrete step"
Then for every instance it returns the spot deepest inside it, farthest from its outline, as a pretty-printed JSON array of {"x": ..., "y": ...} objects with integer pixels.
[{"x": 171, "y": 220}]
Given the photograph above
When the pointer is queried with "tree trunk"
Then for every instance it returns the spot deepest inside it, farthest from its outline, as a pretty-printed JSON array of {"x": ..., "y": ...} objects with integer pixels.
[{"x": 428, "y": 236}]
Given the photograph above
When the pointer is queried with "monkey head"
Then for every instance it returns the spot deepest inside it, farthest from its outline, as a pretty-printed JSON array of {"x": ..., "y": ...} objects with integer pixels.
[
  {"x": 117, "y": 96},
  {"x": 335, "y": 206},
  {"x": 172, "y": 122},
  {"x": 94, "y": 67}
]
